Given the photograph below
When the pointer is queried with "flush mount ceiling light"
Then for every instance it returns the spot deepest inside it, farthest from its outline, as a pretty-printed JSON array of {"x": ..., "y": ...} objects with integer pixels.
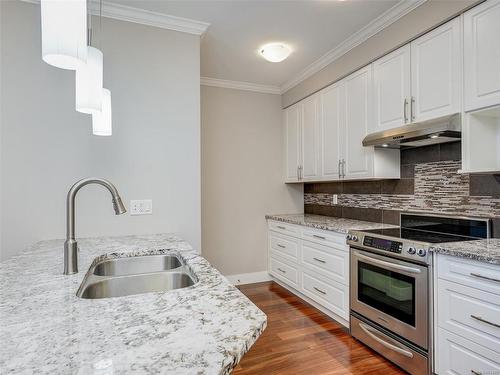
[
  {"x": 102, "y": 121},
  {"x": 64, "y": 33},
  {"x": 275, "y": 52}
]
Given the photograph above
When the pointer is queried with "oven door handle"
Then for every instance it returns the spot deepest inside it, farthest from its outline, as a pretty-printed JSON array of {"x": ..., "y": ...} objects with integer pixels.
[
  {"x": 393, "y": 266},
  {"x": 397, "y": 349}
]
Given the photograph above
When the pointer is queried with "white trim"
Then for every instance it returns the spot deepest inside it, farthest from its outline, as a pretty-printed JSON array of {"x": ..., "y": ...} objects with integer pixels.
[
  {"x": 249, "y": 278},
  {"x": 145, "y": 17},
  {"x": 378, "y": 24},
  {"x": 239, "y": 85}
]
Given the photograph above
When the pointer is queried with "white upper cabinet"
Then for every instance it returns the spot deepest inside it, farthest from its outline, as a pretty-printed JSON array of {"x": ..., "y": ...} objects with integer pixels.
[
  {"x": 357, "y": 160},
  {"x": 292, "y": 130},
  {"x": 331, "y": 122},
  {"x": 482, "y": 55},
  {"x": 391, "y": 89},
  {"x": 310, "y": 163},
  {"x": 436, "y": 72}
]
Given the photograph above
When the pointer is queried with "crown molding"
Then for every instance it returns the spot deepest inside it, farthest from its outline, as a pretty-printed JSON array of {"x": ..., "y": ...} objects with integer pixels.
[
  {"x": 145, "y": 17},
  {"x": 385, "y": 19},
  {"x": 238, "y": 85}
]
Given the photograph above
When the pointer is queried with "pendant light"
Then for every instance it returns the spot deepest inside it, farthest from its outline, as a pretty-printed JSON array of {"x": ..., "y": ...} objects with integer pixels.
[
  {"x": 64, "y": 33},
  {"x": 102, "y": 121},
  {"x": 88, "y": 83}
]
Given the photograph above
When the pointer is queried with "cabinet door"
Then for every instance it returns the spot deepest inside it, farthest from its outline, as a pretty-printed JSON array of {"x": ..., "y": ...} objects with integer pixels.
[
  {"x": 331, "y": 119},
  {"x": 391, "y": 91},
  {"x": 310, "y": 138},
  {"x": 436, "y": 72},
  {"x": 292, "y": 119},
  {"x": 358, "y": 159},
  {"x": 482, "y": 55}
]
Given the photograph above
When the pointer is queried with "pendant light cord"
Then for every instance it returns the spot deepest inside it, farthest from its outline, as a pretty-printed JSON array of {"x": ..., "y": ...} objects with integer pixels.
[{"x": 89, "y": 23}]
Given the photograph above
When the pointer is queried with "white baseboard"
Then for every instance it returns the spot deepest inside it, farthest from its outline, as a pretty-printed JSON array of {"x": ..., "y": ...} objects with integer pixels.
[{"x": 249, "y": 278}]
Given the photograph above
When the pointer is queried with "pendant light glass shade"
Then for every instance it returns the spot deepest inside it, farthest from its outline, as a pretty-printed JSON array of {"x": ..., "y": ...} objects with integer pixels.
[
  {"x": 102, "y": 121},
  {"x": 64, "y": 32},
  {"x": 88, "y": 96}
]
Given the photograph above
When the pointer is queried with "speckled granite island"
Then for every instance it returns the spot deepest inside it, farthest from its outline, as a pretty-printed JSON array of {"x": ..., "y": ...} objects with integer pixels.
[
  {"x": 47, "y": 329},
  {"x": 334, "y": 224},
  {"x": 487, "y": 251}
]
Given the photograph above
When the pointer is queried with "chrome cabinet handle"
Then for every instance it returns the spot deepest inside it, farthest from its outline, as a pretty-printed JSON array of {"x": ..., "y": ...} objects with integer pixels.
[
  {"x": 405, "y": 110},
  {"x": 476, "y": 372},
  {"x": 319, "y": 290},
  {"x": 282, "y": 246},
  {"x": 485, "y": 321},
  {"x": 390, "y": 265},
  {"x": 282, "y": 271},
  {"x": 412, "y": 109},
  {"x": 319, "y": 260},
  {"x": 340, "y": 170},
  {"x": 485, "y": 277},
  {"x": 318, "y": 236},
  {"x": 280, "y": 227},
  {"x": 397, "y": 349},
  {"x": 343, "y": 168}
]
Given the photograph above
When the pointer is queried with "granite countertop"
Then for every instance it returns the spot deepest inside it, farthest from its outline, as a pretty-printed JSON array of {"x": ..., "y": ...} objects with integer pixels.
[
  {"x": 47, "y": 329},
  {"x": 334, "y": 224},
  {"x": 487, "y": 250}
]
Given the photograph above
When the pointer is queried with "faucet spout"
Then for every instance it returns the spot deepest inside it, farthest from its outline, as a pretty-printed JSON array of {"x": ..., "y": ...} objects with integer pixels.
[{"x": 71, "y": 245}]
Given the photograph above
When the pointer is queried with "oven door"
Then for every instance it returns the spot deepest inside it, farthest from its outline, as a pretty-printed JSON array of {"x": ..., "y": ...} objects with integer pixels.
[{"x": 392, "y": 293}]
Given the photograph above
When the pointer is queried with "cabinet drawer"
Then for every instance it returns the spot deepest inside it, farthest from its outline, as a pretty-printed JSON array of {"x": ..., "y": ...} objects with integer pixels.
[
  {"x": 330, "y": 262},
  {"x": 284, "y": 228},
  {"x": 284, "y": 246},
  {"x": 471, "y": 273},
  {"x": 284, "y": 272},
  {"x": 470, "y": 313},
  {"x": 332, "y": 295},
  {"x": 457, "y": 355},
  {"x": 332, "y": 239}
]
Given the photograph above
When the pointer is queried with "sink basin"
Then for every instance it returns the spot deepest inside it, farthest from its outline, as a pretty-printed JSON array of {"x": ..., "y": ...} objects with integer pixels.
[
  {"x": 136, "y": 275},
  {"x": 136, "y": 284},
  {"x": 136, "y": 265}
]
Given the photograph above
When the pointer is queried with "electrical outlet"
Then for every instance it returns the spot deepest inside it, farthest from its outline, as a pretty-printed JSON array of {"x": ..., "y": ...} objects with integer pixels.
[
  {"x": 141, "y": 207},
  {"x": 334, "y": 199}
]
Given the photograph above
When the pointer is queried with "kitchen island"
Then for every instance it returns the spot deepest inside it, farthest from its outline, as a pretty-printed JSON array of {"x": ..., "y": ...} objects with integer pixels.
[{"x": 47, "y": 329}]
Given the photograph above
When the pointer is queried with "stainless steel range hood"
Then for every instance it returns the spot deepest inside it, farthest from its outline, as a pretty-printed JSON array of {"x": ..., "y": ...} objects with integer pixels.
[{"x": 439, "y": 130}]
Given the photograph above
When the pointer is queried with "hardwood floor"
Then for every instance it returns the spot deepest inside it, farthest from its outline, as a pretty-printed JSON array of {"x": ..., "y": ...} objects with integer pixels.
[{"x": 300, "y": 339}]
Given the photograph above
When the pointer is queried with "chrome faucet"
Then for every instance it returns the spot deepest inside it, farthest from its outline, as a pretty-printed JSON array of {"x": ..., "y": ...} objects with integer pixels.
[{"x": 70, "y": 245}]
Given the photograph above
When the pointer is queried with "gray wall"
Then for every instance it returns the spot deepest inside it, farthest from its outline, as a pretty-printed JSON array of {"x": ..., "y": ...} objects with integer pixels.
[
  {"x": 417, "y": 22},
  {"x": 242, "y": 180},
  {"x": 154, "y": 152}
]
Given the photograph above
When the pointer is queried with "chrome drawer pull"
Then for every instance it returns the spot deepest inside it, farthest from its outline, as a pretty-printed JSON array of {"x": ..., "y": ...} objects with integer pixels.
[
  {"x": 484, "y": 321},
  {"x": 319, "y": 290},
  {"x": 280, "y": 227},
  {"x": 282, "y": 246},
  {"x": 484, "y": 277},
  {"x": 476, "y": 372},
  {"x": 282, "y": 271},
  {"x": 388, "y": 345},
  {"x": 320, "y": 237},
  {"x": 319, "y": 260}
]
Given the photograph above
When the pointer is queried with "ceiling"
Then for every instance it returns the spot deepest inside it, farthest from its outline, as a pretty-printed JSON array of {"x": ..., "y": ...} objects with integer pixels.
[{"x": 237, "y": 29}]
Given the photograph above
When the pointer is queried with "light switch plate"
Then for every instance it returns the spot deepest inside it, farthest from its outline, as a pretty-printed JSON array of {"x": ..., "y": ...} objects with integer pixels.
[{"x": 141, "y": 207}]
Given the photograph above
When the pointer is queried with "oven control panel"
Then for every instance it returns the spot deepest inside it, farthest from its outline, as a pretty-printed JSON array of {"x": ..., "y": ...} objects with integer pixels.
[{"x": 383, "y": 244}]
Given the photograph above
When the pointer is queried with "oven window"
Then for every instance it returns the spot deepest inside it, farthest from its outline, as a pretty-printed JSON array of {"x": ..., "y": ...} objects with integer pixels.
[{"x": 388, "y": 291}]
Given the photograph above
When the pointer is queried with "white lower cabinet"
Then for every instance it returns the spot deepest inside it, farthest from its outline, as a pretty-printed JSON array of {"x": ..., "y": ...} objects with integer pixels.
[
  {"x": 467, "y": 322},
  {"x": 312, "y": 263}
]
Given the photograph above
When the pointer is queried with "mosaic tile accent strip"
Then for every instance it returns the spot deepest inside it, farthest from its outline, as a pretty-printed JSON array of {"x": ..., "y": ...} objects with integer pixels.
[{"x": 439, "y": 188}]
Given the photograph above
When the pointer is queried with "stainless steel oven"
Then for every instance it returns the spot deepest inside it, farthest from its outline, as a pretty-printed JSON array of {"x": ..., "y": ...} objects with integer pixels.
[{"x": 392, "y": 293}]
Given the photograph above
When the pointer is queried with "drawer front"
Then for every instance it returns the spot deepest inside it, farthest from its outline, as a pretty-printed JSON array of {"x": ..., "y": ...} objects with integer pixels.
[
  {"x": 284, "y": 246},
  {"x": 336, "y": 240},
  {"x": 471, "y": 273},
  {"x": 332, "y": 295},
  {"x": 284, "y": 272},
  {"x": 457, "y": 355},
  {"x": 284, "y": 228},
  {"x": 329, "y": 262},
  {"x": 470, "y": 313}
]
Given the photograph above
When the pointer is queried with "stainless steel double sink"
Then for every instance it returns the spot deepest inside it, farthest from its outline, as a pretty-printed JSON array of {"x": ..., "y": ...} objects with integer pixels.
[{"x": 135, "y": 275}]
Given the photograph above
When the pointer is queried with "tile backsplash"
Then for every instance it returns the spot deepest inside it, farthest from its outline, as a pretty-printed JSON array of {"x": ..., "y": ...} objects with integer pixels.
[{"x": 429, "y": 183}]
